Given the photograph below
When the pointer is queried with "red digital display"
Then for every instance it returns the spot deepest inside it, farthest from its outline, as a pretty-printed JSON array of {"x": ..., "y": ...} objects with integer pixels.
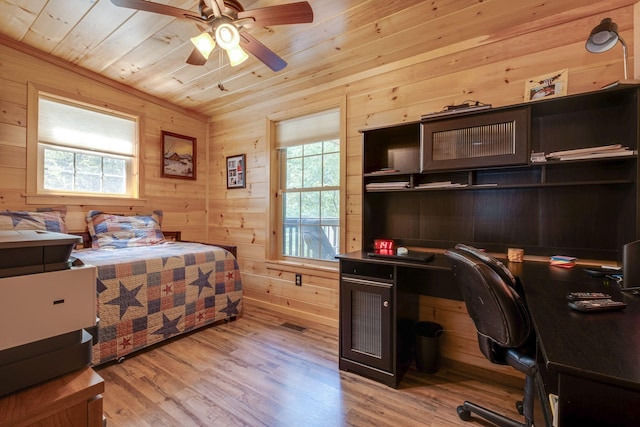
[{"x": 383, "y": 246}]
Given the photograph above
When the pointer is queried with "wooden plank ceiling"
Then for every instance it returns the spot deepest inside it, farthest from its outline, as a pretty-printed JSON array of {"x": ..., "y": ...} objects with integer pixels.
[{"x": 348, "y": 38}]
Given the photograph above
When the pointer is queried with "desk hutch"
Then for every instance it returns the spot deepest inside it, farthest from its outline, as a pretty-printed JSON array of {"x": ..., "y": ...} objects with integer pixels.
[{"x": 499, "y": 198}]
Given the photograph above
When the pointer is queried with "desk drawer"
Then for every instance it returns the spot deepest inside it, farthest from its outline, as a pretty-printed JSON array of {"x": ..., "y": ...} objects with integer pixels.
[{"x": 368, "y": 270}]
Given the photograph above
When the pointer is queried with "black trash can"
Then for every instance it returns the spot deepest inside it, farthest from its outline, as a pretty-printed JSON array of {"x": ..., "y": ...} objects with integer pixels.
[{"x": 427, "y": 352}]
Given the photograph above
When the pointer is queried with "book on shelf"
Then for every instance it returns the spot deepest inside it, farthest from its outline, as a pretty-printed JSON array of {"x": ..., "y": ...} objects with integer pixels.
[
  {"x": 441, "y": 184},
  {"x": 385, "y": 170},
  {"x": 600, "y": 155},
  {"x": 387, "y": 185},
  {"x": 585, "y": 150},
  {"x": 615, "y": 150}
]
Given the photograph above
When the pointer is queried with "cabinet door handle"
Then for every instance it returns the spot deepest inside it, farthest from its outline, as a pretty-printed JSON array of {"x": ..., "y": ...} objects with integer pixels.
[{"x": 385, "y": 304}]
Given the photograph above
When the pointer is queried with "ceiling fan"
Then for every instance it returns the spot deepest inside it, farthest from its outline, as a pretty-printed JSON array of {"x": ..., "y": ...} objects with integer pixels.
[{"x": 224, "y": 22}]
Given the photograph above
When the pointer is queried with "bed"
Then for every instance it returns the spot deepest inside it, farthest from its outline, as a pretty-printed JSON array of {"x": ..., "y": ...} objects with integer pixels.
[
  {"x": 148, "y": 294},
  {"x": 150, "y": 285}
]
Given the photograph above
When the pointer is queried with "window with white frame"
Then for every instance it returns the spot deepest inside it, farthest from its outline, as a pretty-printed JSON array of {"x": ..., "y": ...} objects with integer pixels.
[
  {"x": 309, "y": 184},
  {"x": 85, "y": 150}
]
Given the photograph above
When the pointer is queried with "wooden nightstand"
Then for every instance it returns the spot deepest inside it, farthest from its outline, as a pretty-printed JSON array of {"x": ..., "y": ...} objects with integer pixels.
[{"x": 72, "y": 400}]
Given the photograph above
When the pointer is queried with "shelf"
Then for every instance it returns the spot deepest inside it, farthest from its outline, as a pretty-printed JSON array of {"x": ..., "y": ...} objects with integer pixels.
[
  {"x": 497, "y": 168},
  {"x": 509, "y": 186}
]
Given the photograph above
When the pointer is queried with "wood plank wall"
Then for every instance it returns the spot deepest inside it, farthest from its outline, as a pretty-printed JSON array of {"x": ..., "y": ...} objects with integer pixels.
[
  {"x": 183, "y": 201},
  {"x": 491, "y": 68}
]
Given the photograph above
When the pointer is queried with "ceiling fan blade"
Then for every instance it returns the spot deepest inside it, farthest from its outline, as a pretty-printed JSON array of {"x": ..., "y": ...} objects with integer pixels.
[
  {"x": 216, "y": 6},
  {"x": 221, "y": 5},
  {"x": 162, "y": 9},
  {"x": 196, "y": 58},
  {"x": 260, "y": 51},
  {"x": 292, "y": 13}
]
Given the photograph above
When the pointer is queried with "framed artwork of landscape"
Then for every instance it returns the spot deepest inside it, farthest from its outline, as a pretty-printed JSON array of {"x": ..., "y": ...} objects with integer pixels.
[{"x": 178, "y": 156}]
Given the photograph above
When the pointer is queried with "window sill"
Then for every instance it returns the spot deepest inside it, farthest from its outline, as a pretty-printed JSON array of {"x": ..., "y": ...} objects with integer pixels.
[
  {"x": 57, "y": 199},
  {"x": 306, "y": 268}
]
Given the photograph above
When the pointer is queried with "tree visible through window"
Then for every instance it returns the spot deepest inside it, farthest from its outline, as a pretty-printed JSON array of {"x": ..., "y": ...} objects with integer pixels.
[
  {"x": 85, "y": 150},
  {"x": 86, "y": 173}
]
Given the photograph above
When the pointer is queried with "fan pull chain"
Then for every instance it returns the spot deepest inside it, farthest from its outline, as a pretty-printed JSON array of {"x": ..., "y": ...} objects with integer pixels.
[{"x": 220, "y": 62}]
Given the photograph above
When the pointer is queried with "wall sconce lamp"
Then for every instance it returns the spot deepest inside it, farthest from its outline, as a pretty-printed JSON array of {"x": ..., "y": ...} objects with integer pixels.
[{"x": 603, "y": 37}]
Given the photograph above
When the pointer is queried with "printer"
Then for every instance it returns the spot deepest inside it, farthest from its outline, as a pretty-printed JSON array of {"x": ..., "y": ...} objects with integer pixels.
[{"x": 47, "y": 306}]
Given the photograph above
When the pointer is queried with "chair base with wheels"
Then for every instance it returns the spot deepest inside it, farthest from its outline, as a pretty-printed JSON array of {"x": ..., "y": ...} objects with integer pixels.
[{"x": 524, "y": 364}]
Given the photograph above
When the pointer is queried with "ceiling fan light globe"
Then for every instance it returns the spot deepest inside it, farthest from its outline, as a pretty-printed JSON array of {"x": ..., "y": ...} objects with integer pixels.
[
  {"x": 237, "y": 56},
  {"x": 227, "y": 36},
  {"x": 204, "y": 43}
]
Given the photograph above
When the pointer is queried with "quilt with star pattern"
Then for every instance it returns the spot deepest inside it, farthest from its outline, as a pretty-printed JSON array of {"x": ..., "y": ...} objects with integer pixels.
[{"x": 151, "y": 293}]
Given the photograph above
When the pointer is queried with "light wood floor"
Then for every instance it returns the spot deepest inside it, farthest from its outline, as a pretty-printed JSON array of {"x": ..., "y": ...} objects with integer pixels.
[{"x": 256, "y": 372}]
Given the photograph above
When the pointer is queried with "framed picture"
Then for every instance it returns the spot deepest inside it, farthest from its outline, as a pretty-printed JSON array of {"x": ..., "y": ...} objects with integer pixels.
[
  {"x": 547, "y": 86},
  {"x": 236, "y": 171},
  {"x": 178, "y": 156}
]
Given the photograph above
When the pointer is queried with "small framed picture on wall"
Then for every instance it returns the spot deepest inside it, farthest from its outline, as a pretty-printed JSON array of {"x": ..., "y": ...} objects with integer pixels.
[
  {"x": 178, "y": 156},
  {"x": 236, "y": 171},
  {"x": 548, "y": 86}
]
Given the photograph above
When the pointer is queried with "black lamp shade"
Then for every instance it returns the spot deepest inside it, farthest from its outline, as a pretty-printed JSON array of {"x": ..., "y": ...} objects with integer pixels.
[{"x": 603, "y": 37}]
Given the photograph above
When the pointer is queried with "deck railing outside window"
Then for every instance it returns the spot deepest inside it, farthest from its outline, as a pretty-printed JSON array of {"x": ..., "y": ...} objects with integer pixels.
[{"x": 311, "y": 238}]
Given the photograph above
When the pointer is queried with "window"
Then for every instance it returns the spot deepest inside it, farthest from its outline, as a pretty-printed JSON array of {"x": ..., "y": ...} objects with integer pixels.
[
  {"x": 309, "y": 174},
  {"x": 85, "y": 150}
]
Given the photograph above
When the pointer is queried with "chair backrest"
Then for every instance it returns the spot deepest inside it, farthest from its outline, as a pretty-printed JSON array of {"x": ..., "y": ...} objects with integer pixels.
[
  {"x": 497, "y": 266},
  {"x": 497, "y": 310},
  {"x": 491, "y": 261}
]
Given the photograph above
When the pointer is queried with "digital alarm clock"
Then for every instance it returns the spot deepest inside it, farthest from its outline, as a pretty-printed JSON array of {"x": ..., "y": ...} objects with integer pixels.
[{"x": 383, "y": 246}]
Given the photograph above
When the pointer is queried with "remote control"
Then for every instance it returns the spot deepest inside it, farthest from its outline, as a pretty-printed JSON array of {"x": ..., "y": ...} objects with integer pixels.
[
  {"x": 573, "y": 296},
  {"x": 589, "y": 306}
]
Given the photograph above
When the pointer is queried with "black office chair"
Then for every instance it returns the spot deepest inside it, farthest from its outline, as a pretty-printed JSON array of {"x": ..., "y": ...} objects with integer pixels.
[{"x": 505, "y": 334}]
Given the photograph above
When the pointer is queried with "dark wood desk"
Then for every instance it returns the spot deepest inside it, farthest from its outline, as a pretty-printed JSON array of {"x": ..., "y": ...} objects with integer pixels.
[{"x": 591, "y": 361}]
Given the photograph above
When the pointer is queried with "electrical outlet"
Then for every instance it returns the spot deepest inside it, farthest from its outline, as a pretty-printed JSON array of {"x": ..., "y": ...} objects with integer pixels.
[{"x": 298, "y": 279}]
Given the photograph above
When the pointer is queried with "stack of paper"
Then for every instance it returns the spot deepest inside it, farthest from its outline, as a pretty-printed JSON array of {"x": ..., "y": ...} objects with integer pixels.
[
  {"x": 615, "y": 150},
  {"x": 387, "y": 185},
  {"x": 563, "y": 261},
  {"x": 385, "y": 170},
  {"x": 441, "y": 184}
]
